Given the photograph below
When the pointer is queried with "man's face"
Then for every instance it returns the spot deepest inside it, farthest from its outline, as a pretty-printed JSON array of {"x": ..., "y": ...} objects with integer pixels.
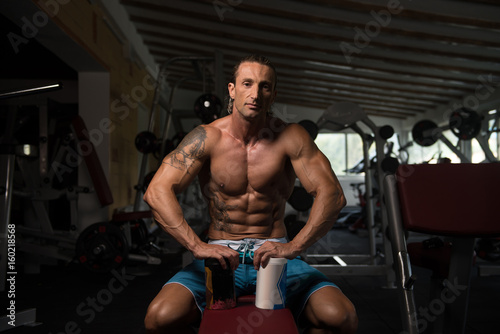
[{"x": 253, "y": 91}]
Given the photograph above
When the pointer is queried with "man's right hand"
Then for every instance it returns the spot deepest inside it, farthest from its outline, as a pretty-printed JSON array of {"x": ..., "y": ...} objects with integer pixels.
[{"x": 221, "y": 253}]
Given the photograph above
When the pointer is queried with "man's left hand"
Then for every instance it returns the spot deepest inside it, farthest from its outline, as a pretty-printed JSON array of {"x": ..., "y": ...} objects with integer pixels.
[{"x": 272, "y": 249}]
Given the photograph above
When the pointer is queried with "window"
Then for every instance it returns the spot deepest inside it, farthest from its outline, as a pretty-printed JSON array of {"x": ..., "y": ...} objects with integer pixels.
[{"x": 344, "y": 150}]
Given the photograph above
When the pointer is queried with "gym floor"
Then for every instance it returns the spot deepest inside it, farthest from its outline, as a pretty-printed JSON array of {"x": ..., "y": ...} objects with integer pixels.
[{"x": 69, "y": 299}]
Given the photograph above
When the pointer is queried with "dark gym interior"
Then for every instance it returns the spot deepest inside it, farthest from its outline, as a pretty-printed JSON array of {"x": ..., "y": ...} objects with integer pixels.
[{"x": 402, "y": 97}]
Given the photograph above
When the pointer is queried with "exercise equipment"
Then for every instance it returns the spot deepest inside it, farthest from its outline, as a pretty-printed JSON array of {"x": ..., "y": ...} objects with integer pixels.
[
  {"x": 424, "y": 199},
  {"x": 425, "y": 133},
  {"x": 300, "y": 199},
  {"x": 311, "y": 128},
  {"x": 8, "y": 152},
  {"x": 146, "y": 142},
  {"x": 102, "y": 247},
  {"x": 47, "y": 171},
  {"x": 246, "y": 318},
  {"x": 30, "y": 91},
  {"x": 337, "y": 117},
  {"x": 465, "y": 124},
  {"x": 207, "y": 107}
]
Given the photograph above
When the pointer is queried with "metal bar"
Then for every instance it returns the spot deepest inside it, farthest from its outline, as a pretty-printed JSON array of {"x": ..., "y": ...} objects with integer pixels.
[
  {"x": 39, "y": 234},
  {"x": 459, "y": 276},
  {"x": 402, "y": 265},
  {"x": 370, "y": 209},
  {"x": 463, "y": 158},
  {"x": 29, "y": 91},
  {"x": 23, "y": 318},
  {"x": 7, "y": 174},
  {"x": 355, "y": 270},
  {"x": 44, "y": 250},
  {"x": 43, "y": 140},
  {"x": 379, "y": 145},
  {"x": 341, "y": 255}
]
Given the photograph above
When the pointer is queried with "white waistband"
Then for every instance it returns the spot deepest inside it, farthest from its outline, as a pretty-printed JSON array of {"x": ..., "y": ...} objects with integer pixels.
[{"x": 255, "y": 242}]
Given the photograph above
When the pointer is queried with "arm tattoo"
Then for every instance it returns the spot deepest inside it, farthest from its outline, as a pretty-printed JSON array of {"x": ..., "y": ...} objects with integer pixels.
[{"x": 189, "y": 150}]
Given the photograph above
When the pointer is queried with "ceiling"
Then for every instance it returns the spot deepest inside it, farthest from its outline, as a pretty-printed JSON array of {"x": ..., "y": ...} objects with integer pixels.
[{"x": 394, "y": 58}]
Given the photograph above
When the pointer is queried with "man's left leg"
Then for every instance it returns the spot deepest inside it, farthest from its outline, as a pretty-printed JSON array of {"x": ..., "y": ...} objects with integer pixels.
[{"x": 328, "y": 310}]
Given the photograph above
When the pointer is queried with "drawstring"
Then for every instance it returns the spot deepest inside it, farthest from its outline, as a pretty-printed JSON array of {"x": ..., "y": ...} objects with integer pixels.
[{"x": 245, "y": 250}]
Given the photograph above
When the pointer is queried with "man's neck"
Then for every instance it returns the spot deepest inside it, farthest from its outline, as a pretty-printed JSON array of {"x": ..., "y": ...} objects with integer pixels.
[{"x": 245, "y": 130}]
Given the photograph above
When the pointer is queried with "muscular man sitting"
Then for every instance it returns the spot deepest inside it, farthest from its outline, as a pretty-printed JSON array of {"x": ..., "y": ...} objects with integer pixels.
[{"x": 247, "y": 163}]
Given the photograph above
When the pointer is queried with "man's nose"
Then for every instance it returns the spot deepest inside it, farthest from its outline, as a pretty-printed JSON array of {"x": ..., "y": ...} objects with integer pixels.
[{"x": 255, "y": 92}]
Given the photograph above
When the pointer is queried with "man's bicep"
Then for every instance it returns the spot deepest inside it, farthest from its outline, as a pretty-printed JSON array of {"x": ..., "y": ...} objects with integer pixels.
[
  {"x": 180, "y": 167},
  {"x": 314, "y": 170},
  {"x": 190, "y": 152}
]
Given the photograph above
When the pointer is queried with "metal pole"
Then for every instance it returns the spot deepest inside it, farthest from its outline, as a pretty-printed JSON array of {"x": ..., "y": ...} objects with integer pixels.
[{"x": 29, "y": 91}]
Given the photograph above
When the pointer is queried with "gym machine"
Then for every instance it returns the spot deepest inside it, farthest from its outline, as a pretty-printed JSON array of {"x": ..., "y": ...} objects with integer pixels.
[
  {"x": 207, "y": 107},
  {"x": 337, "y": 117},
  {"x": 43, "y": 146},
  {"x": 466, "y": 124},
  {"x": 8, "y": 153}
]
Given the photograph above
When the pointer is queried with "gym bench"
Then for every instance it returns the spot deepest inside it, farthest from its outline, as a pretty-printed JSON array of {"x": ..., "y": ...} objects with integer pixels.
[
  {"x": 457, "y": 201},
  {"x": 247, "y": 318}
]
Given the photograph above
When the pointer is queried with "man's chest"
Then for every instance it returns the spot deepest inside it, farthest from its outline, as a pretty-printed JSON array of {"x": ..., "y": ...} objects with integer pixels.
[{"x": 263, "y": 168}]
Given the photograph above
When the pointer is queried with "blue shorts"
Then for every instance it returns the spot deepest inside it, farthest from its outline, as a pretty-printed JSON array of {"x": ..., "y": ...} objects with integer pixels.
[{"x": 302, "y": 281}]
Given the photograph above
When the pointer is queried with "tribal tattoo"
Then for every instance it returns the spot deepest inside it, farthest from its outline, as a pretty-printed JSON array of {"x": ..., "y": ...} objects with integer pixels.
[
  {"x": 219, "y": 214},
  {"x": 191, "y": 148}
]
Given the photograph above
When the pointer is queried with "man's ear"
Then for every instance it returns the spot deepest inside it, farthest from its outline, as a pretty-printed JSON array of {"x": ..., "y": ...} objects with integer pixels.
[{"x": 230, "y": 89}]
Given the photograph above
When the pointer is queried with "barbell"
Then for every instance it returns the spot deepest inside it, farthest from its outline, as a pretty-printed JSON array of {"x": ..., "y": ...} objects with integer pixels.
[
  {"x": 464, "y": 123},
  {"x": 102, "y": 247}
]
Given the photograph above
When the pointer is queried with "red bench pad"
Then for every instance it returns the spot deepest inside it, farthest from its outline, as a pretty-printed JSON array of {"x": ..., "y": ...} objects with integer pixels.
[{"x": 246, "y": 318}]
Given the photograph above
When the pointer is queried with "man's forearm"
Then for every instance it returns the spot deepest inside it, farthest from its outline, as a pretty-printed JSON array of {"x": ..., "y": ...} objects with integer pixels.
[
  {"x": 322, "y": 217},
  {"x": 171, "y": 219}
]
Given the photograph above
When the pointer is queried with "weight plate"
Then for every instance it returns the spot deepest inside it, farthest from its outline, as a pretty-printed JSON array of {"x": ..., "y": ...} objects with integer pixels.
[
  {"x": 465, "y": 123},
  {"x": 423, "y": 133},
  {"x": 207, "y": 107},
  {"x": 311, "y": 127},
  {"x": 139, "y": 233},
  {"x": 102, "y": 247},
  {"x": 300, "y": 199},
  {"x": 386, "y": 132},
  {"x": 146, "y": 142}
]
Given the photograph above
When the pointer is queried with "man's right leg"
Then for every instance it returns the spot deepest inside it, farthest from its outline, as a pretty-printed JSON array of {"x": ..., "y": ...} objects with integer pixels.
[{"x": 172, "y": 311}]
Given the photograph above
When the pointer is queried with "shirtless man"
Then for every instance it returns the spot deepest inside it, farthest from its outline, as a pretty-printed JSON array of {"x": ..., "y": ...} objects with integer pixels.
[{"x": 247, "y": 163}]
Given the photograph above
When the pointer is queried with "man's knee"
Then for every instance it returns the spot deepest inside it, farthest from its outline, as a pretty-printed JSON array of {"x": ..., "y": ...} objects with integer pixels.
[
  {"x": 164, "y": 315},
  {"x": 335, "y": 317},
  {"x": 333, "y": 312},
  {"x": 158, "y": 317}
]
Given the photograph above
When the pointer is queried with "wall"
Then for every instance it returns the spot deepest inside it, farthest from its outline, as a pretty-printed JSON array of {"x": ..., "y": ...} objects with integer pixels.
[{"x": 130, "y": 85}]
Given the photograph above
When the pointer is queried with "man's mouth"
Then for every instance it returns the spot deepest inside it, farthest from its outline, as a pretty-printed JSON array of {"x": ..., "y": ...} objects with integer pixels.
[{"x": 253, "y": 105}]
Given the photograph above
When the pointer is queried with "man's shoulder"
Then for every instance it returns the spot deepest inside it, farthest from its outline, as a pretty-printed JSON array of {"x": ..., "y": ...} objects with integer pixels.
[{"x": 293, "y": 130}]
